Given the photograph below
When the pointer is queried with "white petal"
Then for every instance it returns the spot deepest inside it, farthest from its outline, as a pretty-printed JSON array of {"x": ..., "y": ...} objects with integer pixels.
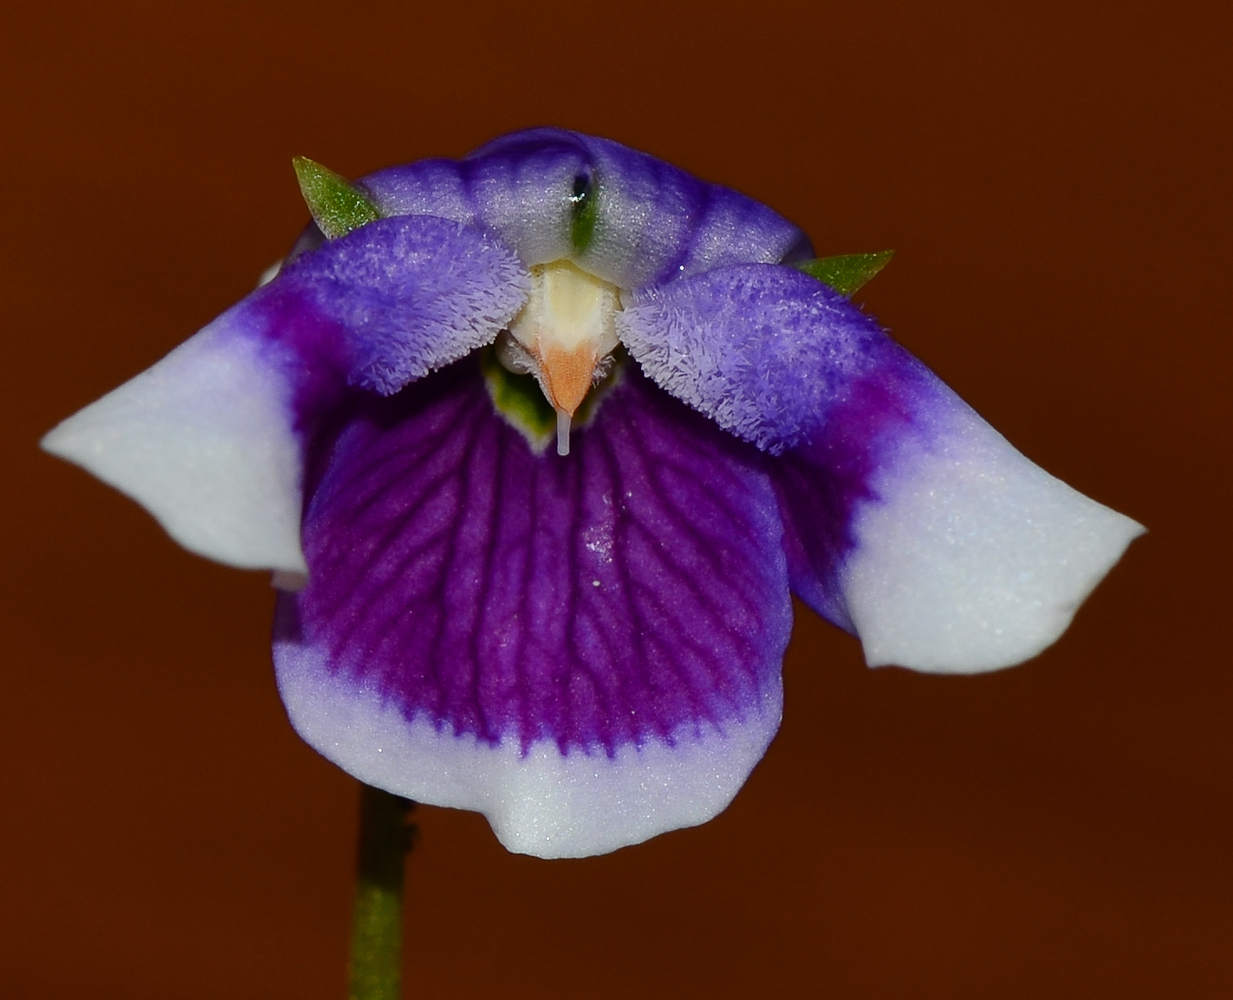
[
  {"x": 204, "y": 440},
  {"x": 974, "y": 558},
  {"x": 543, "y": 803}
]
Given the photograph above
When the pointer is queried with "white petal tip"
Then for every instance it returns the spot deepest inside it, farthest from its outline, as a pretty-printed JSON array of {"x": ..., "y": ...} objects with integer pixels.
[
  {"x": 974, "y": 558},
  {"x": 203, "y": 441},
  {"x": 540, "y": 803}
]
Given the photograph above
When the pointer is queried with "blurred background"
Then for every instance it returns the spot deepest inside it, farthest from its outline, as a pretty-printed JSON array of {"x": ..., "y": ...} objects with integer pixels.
[{"x": 1054, "y": 177}]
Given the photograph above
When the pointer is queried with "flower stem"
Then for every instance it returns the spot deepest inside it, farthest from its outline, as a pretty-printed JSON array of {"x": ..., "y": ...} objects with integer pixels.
[{"x": 376, "y": 928}]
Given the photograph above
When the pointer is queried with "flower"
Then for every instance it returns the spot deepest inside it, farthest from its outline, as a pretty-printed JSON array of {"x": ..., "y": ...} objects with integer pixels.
[{"x": 584, "y": 643}]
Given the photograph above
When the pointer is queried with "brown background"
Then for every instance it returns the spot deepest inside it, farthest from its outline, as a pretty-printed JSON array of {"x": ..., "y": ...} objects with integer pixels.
[{"x": 1054, "y": 177}]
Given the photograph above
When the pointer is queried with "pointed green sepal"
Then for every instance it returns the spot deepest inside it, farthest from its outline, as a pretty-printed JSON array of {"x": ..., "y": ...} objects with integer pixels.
[
  {"x": 847, "y": 272},
  {"x": 336, "y": 205}
]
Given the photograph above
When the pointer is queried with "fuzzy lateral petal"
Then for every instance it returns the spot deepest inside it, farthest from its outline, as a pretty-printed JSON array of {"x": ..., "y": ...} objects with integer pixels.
[
  {"x": 205, "y": 441},
  {"x": 210, "y": 439},
  {"x": 570, "y": 639},
  {"x": 907, "y": 518},
  {"x": 410, "y": 295},
  {"x": 762, "y": 349}
]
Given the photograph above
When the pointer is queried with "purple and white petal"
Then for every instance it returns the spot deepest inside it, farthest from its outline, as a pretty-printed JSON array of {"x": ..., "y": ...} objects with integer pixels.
[
  {"x": 522, "y": 192},
  {"x": 970, "y": 557},
  {"x": 909, "y": 520},
  {"x": 655, "y": 222},
  {"x": 210, "y": 439},
  {"x": 586, "y": 649},
  {"x": 652, "y": 221},
  {"x": 913, "y": 523},
  {"x": 205, "y": 441}
]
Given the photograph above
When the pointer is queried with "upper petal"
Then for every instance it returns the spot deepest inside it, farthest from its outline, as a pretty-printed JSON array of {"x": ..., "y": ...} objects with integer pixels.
[
  {"x": 585, "y": 649},
  {"x": 909, "y": 520},
  {"x": 646, "y": 219},
  {"x": 210, "y": 439}
]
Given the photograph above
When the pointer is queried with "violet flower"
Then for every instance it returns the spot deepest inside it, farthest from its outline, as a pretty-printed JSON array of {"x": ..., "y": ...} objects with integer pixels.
[{"x": 582, "y": 642}]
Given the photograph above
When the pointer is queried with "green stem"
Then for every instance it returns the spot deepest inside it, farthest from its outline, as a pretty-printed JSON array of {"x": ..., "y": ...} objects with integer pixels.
[{"x": 376, "y": 928}]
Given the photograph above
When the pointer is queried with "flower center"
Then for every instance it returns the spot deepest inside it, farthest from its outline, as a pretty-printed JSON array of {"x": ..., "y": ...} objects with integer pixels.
[
  {"x": 564, "y": 338},
  {"x": 521, "y": 402}
]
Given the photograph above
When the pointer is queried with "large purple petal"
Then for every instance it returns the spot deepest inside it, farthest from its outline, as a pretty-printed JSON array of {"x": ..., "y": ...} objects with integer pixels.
[
  {"x": 586, "y": 649},
  {"x": 909, "y": 519},
  {"x": 210, "y": 439}
]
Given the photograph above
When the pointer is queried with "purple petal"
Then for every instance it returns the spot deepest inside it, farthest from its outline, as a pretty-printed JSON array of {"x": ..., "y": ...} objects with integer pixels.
[
  {"x": 586, "y": 649},
  {"x": 658, "y": 223},
  {"x": 210, "y": 439},
  {"x": 654, "y": 221},
  {"x": 410, "y": 295},
  {"x": 908, "y": 519},
  {"x": 764, "y": 351},
  {"x": 823, "y": 482},
  {"x": 524, "y": 195}
]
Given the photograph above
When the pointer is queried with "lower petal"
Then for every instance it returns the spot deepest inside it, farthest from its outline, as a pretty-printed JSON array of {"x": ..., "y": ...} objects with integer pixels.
[
  {"x": 586, "y": 649},
  {"x": 538, "y": 800}
]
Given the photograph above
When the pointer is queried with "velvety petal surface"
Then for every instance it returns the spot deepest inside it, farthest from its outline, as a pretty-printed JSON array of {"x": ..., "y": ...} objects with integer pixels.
[
  {"x": 410, "y": 295},
  {"x": 586, "y": 649},
  {"x": 210, "y": 439},
  {"x": 909, "y": 520},
  {"x": 763, "y": 350}
]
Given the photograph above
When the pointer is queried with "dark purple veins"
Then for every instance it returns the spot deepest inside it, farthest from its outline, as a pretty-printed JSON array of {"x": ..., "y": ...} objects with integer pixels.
[{"x": 633, "y": 588}]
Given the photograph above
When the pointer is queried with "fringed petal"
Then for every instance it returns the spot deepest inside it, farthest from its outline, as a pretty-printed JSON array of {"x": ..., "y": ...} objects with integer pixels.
[
  {"x": 586, "y": 649},
  {"x": 763, "y": 350},
  {"x": 410, "y": 295}
]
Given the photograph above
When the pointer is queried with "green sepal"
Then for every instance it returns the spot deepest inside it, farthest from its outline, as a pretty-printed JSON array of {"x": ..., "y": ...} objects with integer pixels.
[
  {"x": 336, "y": 205},
  {"x": 847, "y": 272}
]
